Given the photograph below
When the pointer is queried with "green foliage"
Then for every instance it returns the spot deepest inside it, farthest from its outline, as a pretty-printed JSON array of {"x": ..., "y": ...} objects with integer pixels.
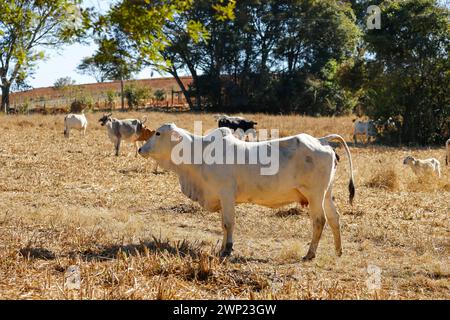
[
  {"x": 136, "y": 95},
  {"x": 159, "y": 95},
  {"x": 411, "y": 74},
  {"x": 63, "y": 83},
  {"x": 29, "y": 27},
  {"x": 110, "y": 98},
  {"x": 83, "y": 101},
  {"x": 23, "y": 107},
  {"x": 111, "y": 61}
]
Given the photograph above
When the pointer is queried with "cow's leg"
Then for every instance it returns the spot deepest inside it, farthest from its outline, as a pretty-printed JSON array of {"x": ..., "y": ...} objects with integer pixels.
[
  {"x": 251, "y": 135},
  {"x": 239, "y": 133},
  {"x": 84, "y": 131},
  {"x": 333, "y": 221},
  {"x": 354, "y": 139},
  {"x": 317, "y": 214},
  {"x": 117, "y": 146},
  {"x": 228, "y": 220},
  {"x": 137, "y": 148}
]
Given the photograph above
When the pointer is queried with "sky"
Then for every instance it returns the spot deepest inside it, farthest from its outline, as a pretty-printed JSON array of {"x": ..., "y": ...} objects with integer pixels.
[{"x": 63, "y": 61}]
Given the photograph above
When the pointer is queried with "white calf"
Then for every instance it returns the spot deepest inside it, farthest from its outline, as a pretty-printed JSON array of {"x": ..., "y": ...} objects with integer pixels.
[
  {"x": 423, "y": 167},
  {"x": 75, "y": 121}
]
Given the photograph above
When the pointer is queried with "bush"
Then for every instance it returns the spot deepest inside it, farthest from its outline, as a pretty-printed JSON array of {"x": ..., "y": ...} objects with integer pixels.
[
  {"x": 110, "y": 98},
  {"x": 23, "y": 108},
  {"x": 159, "y": 95},
  {"x": 136, "y": 95},
  {"x": 83, "y": 101}
]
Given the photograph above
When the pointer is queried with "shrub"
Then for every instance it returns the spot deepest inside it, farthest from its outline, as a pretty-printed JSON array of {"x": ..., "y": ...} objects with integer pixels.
[
  {"x": 135, "y": 95},
  {"x": 110, "y": 98},
  {"x": 159, "y": 95},
  {"x": 81, "y": 102}
]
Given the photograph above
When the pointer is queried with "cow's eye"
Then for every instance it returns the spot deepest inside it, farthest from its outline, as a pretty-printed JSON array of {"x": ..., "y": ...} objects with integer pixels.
[{"x": 158, "y": 133}]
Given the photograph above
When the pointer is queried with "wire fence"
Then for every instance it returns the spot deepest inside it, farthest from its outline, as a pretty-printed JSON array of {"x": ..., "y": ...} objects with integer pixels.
[{"x": 52, "y": 102}]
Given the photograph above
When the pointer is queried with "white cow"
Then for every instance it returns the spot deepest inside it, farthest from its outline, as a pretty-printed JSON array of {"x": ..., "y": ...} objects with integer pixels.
[
  {"x": 305, "y": 175},
  {"x": 75, "y": 121},
  {"x": 425, "y": 167},
  {"x": 447, "y": 152},
  {"x": 367, "y": 129}
]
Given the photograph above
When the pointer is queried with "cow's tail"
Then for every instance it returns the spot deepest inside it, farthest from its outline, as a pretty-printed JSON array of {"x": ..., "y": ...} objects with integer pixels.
[{"x": 351, "y": 185}]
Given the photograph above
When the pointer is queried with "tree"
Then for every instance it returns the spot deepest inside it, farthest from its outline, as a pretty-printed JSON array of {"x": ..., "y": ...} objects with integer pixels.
[
  {"x": 410, "y": 69},
  {"x": 163, "y": 33},
  {"x": 269, "y": 58},
  {"x": 113, "y": 60},
  {"x": 28, "y": 27},
  {"x": 64, "y": 82}
]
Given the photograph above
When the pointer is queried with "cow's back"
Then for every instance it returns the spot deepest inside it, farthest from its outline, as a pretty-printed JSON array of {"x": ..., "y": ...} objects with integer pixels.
[
  {"x": 75, "y": 120},
  {"x": 301, "y": 160},
  {"x": 128, "y": 129}
]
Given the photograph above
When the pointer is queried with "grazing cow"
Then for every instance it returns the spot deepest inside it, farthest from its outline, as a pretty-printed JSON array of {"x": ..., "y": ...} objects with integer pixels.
[
  {"x": 447, "y": 152},
  {"x": 75, "y": 121},
  {"x": 390, "y": 125},
  {"x": 128, "y": 130},
  {"x": 425, "y": 167},
  {"x": 306, "y": 168},
  {"x": 239, "y": 125},
  {"x": 368, "y": 129}
]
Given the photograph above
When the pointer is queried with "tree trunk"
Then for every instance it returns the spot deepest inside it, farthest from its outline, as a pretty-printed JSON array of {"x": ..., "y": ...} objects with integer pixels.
[
  {"x": 5, "y": 98},
  {"x": 196, "y": 85},
  {"x": 122, "y": 95},
  {"x": 180, "y": 83}
]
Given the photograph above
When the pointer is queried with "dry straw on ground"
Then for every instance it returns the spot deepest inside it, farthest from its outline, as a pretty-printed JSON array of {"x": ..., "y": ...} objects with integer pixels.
[{"x": 135, "y": 236}]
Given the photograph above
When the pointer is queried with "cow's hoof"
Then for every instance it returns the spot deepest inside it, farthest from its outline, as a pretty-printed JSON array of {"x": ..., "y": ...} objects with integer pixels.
[
  {"x": 227, "y": 251},
  {"x": 308, "y": 257},
  {"x": 225, "y": 255},
  {"x": 339, "y": 252}
]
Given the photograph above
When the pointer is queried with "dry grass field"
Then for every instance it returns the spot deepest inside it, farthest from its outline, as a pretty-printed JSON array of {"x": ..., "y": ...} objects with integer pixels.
[{"x": 134, "y": 235}]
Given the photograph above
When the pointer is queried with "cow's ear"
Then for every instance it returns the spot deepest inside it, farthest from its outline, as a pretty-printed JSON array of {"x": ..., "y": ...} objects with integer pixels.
[{"x": 175, "y": 136}]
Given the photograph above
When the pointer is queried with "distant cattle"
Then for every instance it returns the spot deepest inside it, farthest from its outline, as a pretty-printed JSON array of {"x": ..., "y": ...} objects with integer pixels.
[
  {"x": 422, "y": 168},
  {"x": 305, "y": 175},
  {"x": 12, "y": 110},
  {"x": 75, "y": 121},
  {"x": 240, "y": 126},
  {"x": 128, "y": 130},
  {"x": 367, "y": 129}
]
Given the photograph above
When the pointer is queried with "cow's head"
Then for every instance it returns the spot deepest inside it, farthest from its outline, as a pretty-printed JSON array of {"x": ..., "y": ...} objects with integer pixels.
[
  {"x": 218, "y": 117},
  {"x": 104, "y": 120},
  {"x": 146, "y": 134},
  {"x": 373, "y": 127},
  {"x": 161, "y": 143},
  {"x": 408, "y": 160}
]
